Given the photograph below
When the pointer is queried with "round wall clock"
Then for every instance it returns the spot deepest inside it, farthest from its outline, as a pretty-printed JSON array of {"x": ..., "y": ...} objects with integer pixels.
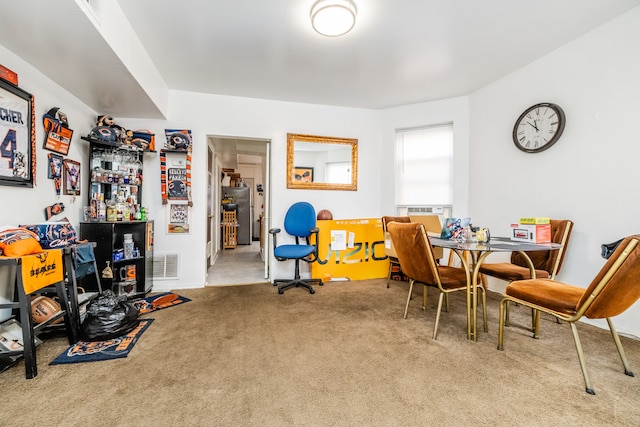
[{"x": 539, "y": 127}]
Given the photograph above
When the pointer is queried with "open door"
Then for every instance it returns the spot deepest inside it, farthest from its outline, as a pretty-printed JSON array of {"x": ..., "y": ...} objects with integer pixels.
[
  {"x": 238, "y": 162},
  {"x": 210, "y": 207}
]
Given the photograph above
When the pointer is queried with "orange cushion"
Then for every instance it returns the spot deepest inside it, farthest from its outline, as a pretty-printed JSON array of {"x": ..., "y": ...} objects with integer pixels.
[
  {"x": 510, "y": 272},
  {"x": 557, "y": 296},
  {"x": 21, "y": 247},
  {"x": 16, "y": 242}
]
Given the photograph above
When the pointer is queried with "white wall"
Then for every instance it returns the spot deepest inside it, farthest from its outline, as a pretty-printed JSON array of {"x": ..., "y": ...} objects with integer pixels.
[
  {"x": 591, "y": 174},
  {"x": 263, "y": 119},
  {"x": 455, "y": 110},
  {"x": 26, "y": 205}
]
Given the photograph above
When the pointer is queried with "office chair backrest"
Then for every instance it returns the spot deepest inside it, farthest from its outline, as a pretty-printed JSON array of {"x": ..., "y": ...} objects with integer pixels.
[
  {"x": 615, "y": 288},
  {"x": 414, "y": 252},
  {"x": 300, "y": 218},
  {"x": 550, "y": 261}
]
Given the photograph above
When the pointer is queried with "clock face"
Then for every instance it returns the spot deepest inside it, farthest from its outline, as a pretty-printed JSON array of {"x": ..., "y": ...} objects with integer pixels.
[{"x": 539, "y": 127}]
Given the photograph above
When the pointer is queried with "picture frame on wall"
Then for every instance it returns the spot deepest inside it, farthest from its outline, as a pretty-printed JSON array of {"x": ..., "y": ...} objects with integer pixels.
[
  {"x": 178, "y": 218},
  {"x": 303, "y": 174},
  {"x": 71, "y": 174},
  {"x": 17, "y": 136},
  {"x": 55, "y": 166},
  {"x": 57, "y": 137}
]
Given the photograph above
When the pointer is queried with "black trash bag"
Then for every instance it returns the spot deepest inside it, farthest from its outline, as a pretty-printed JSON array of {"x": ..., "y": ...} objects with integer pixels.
[{"x": 108, "y": 317}]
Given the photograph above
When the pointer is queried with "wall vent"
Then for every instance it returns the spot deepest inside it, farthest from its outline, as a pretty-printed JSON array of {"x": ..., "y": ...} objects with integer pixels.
[{"x": 165, "y": 266}]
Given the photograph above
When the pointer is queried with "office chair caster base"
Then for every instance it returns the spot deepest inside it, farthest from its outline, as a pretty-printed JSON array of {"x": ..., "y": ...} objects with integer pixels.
[{"x": 283, "y": 285}]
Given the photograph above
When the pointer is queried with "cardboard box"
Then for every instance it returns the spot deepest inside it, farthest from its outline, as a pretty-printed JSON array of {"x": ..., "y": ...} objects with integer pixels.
[
  {"x": 536, "y": 220},
  {"x": 532, "y": 233},
  {"x": 433, "y": 227}
]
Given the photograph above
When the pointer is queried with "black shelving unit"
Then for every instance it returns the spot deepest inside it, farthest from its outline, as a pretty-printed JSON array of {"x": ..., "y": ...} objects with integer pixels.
[
  {"x": 109, "y": 238},
  {"x": 114, "y": 168}
]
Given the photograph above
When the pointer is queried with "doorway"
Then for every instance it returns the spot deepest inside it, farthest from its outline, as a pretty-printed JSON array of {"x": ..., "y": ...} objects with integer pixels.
[{"x": 238, "y": 170}]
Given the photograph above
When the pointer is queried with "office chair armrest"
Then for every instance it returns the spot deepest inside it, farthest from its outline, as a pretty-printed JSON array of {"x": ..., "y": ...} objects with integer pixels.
[
  {"x": 314, "y": 255},
  {"x": 274, "y": 232}
]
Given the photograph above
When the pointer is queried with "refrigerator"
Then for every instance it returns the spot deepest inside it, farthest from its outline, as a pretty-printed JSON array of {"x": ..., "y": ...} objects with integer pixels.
[{"x": 243, "y": 213}]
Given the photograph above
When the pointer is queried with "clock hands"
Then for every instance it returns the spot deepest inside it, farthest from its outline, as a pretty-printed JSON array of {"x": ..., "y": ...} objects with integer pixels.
[{"x": 534, "y": 125}]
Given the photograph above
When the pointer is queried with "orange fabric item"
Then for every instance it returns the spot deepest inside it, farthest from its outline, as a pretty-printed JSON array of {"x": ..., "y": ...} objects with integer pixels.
[
  {"x": 21, "y": 247},
  {"x": 40, "y": 270},
  {"x": 15, "y": 242}
]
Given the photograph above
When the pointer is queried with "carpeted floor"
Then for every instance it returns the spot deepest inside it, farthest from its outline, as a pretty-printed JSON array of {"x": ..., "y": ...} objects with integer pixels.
[{"x": 246, "y": 356}]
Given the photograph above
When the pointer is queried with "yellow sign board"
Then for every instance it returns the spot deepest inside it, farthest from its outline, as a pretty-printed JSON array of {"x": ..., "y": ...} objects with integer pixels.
[{"x": 350, "y": 248}]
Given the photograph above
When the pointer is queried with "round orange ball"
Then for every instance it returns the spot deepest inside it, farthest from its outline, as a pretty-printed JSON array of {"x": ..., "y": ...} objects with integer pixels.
[{"x": 324, "y": 214}]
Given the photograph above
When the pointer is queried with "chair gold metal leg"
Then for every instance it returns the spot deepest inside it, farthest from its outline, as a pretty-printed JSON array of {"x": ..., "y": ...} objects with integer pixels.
[
  {"x": 484, "y": 309},
  {"x": 440, "y": 300},
  {"x": 616, "y": 340},
  {"x": 424, "y": 297},
  {"x": 389, "y": 275},
  {"x": 536, "y": 323},
  {"x": 406, "y": 307},
  {"x": 583, "y": 366},
  {"x": 504, "y": 304},
  {"x": 506, "y": 314}
]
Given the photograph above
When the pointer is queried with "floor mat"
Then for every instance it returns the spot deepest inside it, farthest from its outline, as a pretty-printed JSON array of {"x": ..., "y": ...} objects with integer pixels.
[
  {"x": 93, "y": 351},
  {"x": 159, "y": 301}
]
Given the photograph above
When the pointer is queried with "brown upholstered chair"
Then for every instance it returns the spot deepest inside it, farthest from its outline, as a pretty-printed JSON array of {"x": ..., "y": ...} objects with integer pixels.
[
  {"x": 613, "y": 290},
  {"x": 417, "y": 261},
  {"x": 547, "y": 263},
  {"x": 388, "y": 244},
  {"x": 431, "y": 224}
]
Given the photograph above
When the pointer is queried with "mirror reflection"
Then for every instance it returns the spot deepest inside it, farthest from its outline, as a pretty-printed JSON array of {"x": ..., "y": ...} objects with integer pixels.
[{"x": 321, "y": 162}]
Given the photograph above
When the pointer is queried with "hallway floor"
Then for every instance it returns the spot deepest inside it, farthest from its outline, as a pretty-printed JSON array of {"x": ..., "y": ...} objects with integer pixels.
[{"x": 242, "y": 265}]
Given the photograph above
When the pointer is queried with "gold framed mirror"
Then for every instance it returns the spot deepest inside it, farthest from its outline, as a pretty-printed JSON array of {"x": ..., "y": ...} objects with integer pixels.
[{"x": 322, "y": 162}]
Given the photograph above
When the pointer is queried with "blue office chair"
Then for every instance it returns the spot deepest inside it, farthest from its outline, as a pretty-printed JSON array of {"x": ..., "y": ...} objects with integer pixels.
[{"x": 300, "y": 222}]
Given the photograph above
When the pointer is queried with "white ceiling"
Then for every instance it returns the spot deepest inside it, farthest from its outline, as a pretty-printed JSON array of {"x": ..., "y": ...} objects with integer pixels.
[{"x": 400, "y": 51}]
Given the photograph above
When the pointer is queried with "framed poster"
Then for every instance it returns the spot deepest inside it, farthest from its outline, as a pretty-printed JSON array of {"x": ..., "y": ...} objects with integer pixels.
[
  {"x": 55, "y": 166},
  {"x": 17, "y": 136},
  {"x": 178, "y": 218},
  {"x": 71, "y": 177},
  {"x": 177, "y": 183},
  {"x": 57, "y": 136},
  {"x": 303, "y": 174}
]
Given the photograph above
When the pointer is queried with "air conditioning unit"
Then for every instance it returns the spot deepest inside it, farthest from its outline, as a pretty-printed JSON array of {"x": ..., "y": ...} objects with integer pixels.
[{"x": 443, "y": 211}]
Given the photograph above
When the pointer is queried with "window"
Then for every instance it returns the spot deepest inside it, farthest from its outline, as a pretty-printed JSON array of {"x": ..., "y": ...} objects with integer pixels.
[
  {"x": 424, "y": 166},
  {"x": 339, "y": 173}
]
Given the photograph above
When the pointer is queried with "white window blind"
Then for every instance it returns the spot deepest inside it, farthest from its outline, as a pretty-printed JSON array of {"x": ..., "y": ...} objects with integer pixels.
[
  {"x": 338, "y": 172},
  {"x": 424, "y": 165}
]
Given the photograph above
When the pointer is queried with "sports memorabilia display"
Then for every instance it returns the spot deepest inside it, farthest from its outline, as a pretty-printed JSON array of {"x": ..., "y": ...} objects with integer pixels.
[
  {"x": 54, "y": 171},
  {"x": 177, "y": 186},
  {"x": 57, "y": 136},
  {"x": 17, "y": 136}
]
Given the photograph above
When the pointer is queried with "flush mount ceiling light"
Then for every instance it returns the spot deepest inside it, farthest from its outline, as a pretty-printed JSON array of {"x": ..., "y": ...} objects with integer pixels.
[{"x": 333, "y": 18}]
